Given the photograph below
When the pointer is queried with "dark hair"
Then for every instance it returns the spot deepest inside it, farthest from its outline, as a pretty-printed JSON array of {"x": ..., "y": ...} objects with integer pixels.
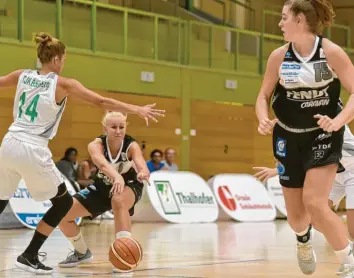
[
  {"x": 318, "y": 13},
  {"x": 68, "y": 151},
  {"x": 48, "y": 47},
  {"x": 156, "y": 151}
]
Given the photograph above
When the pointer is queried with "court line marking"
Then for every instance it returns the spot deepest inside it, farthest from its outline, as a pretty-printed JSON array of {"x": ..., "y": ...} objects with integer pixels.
[{"x": 162, "y": 268}]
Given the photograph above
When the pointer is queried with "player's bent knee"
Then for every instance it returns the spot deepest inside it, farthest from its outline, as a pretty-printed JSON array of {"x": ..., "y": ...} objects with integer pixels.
[
  {"x": 62, "y": 203},
  {"x": 316, "y": 208},
  {"x": 118, "y": 201}
]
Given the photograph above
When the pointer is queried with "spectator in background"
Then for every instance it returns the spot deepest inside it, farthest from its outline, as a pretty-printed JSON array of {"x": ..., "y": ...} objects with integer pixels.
[
  {"x": 68, "y": 165},
  {"x": 155, "y": 163},
  {"x": 85, "y": 173},
  {"x": 170, "y": 156}
]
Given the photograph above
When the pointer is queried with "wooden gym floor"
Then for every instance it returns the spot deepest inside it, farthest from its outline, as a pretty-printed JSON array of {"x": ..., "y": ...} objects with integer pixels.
[{"x": 222, "y": 249}]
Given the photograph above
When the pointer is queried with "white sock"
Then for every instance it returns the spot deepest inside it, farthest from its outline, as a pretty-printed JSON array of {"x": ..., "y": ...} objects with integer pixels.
[
  {"x": 303, "y": 232},
  {"x": 345, "y": 256},
  {"x": 78, "y": 243},
  {"x": 123, "y": 234}
]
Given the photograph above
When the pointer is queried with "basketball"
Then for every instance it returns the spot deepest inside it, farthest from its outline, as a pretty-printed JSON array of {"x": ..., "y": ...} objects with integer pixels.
[{"x": 125, "y": 254}]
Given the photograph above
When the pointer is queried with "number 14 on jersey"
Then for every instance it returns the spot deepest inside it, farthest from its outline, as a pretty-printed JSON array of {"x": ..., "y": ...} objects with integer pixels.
[{"x": 31, "y": 109}]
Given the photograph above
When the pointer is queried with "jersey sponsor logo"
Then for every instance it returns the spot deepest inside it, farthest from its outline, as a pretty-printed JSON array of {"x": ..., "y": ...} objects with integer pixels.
[
  {"x": 310, "y": 98},
  {"x": 290, "y": 66},
  {"x": 280, "y": 147},
  {"x": 121, "y": 167},
  {"x": 290, "y": 73}
]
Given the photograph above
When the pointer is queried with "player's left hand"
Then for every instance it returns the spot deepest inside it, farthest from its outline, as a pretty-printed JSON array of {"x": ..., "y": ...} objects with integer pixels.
[
  {"x": 327, "y": 124},
  {"x": 117, "y": 185},
  {"x": 143, "y": 177},
  {"x": 264, "y": 173},
  {"x": 148, "y": 112}
]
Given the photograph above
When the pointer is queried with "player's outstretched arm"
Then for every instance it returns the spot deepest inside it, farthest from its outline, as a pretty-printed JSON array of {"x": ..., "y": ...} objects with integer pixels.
[
  {"x": 10, "y": 80},
  {"x": 140, "y": 163},
  {"x": 74, "y": 88},
  {"x": 341, "y": 64}
]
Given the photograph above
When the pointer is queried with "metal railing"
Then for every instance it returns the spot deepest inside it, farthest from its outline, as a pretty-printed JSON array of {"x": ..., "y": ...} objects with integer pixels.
[{"x": 193, "y": 43}]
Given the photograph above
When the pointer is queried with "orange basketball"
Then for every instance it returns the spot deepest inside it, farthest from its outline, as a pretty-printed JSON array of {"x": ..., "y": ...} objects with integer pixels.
[{"x": 125, "y": 254}]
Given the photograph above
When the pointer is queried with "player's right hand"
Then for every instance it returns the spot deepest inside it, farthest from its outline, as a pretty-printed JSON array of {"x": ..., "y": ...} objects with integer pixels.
[
  {"x": 264, "y": 173},
  {"x": 117, "y": 185},
  {"x": 266, "y": 126},
  {"x": 147, "y": 112}
]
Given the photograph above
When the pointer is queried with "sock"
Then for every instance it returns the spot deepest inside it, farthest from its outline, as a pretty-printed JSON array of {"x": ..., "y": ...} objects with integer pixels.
[
  {"x": 123, "y": 234},
  {"x": 304, "y": 236},
  {"x": 79, "y": 243},
  {"x": 3, "y": 204},
  {"x": 345, "y": 256},
  {"x": 35, "y": 244}
]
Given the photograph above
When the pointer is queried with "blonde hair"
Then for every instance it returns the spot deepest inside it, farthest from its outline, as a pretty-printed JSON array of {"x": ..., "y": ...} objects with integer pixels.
[
  {"x": 112, "y": 114},
  {"x": 318, "y": 13},
  {"x": 48, "y": 47}
]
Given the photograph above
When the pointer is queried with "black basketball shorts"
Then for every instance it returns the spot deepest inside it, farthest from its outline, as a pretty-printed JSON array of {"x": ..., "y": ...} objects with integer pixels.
[
  {"x": 96, "y": 198},
  {"x": 298, "y": 152}
]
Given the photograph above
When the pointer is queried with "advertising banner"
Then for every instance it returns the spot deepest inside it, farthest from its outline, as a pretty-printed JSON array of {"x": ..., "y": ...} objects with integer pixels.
[
  {"x": 243, "y": 197},
  {"x": 182, "y": 197},
  {"x": 28, "y": 211}
]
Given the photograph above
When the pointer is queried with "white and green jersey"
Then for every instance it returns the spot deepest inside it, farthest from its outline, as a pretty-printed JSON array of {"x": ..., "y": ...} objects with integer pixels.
[{"x": 36, "y": 113}]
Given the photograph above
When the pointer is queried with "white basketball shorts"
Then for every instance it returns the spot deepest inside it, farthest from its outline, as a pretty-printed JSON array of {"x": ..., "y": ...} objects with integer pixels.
[
  {"x": 31, "y": 162},
  {"x": 343, "y": 186}
]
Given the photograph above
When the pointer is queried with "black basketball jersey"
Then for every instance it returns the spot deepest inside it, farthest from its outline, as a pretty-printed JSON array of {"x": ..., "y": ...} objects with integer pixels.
[
  {"x": 121, "y": 162},
  {"x": 306, "y": 87}
]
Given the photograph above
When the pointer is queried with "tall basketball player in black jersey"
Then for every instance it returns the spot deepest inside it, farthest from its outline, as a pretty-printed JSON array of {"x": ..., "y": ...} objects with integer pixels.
[
  {"x": 305, "y": 76},
  {"x": 117, "y": 186}
]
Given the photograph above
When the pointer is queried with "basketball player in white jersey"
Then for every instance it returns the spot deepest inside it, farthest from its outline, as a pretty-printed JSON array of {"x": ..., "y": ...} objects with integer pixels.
[
  {"x": 343, "y": 184},
  {"x": 39, "y": 104},
  {"x": 118, "y": 185},
  {"x": 303, "y": 83}
]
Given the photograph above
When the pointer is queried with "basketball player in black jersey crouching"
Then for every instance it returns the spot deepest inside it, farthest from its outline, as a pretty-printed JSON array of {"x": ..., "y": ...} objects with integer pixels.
[
  {"x": 117, "y": 186},
  {"x": 305, "y": 76}
]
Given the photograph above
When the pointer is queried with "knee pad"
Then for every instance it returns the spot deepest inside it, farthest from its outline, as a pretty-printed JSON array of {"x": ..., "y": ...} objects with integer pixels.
[{"x": 62, "y": 203}]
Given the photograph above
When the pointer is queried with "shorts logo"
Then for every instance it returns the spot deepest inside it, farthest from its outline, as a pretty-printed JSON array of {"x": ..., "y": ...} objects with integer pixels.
[
  {"x": 323, "y": 136},
  {"x": 280, "y": 168},
  {"x": 319, "y": 154},
  {"x": 84, "y": 192},
  {"x": 280, "y": 147}
]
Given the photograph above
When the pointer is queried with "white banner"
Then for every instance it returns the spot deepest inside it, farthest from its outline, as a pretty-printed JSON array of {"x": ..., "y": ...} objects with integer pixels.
[
  {"x": 182, "y": 197},
  {"x": 144, "y": 211},
  {"x": 28, "y": 211},
  {"x": 243, "y": 197},
  {"x": 276, "y": 193},
  {"x": 223, "y": 216}
]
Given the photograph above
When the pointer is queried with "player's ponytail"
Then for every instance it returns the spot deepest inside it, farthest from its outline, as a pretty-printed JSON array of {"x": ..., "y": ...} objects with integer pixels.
[
  {"x": 325, "y": 12},
  {"x": 48, "y": 47}
]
